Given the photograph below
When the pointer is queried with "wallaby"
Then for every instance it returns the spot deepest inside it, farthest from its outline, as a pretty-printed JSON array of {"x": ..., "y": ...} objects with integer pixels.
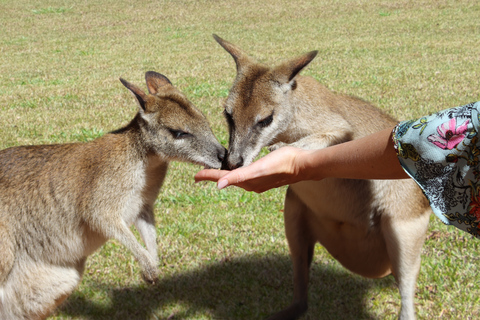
[
  {"x": 59, "y": 203},
  {"x": 373, "y": 228}
]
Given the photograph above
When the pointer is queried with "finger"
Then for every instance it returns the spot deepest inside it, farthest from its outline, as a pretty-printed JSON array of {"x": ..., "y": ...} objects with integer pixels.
[
  {"x": 210, "y": 175},
  {"x": 242, "y": 177}
]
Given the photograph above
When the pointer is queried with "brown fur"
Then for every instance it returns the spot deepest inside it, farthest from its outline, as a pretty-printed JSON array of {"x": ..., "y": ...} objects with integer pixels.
[
  {"x": 59, "y": 203},
  {"x": 373, "y": 228}
]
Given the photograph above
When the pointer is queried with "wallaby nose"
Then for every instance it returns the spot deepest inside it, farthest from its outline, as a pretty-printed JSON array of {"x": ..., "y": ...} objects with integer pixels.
[
  {"x": 228, "y": 165},
  {"x": 238, "y": 164}
]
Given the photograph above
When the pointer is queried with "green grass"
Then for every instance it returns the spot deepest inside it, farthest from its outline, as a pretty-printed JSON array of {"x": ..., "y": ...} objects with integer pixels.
[{"x": 224, "y": 254}]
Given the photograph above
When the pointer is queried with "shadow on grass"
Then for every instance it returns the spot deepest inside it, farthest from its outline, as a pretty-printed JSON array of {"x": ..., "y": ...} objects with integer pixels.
[{"x": 251, "y": 287}]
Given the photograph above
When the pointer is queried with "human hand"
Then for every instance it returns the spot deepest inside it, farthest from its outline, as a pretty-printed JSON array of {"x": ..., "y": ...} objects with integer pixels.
[
  {"x": 370, "y": 157},
  {"x": 276, "y": 169}
]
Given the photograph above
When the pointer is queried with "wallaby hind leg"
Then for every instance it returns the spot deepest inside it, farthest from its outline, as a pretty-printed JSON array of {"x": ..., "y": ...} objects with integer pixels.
[
  {"x": 404, "y": 239},
  {"x": 7, "y": 250},
  {"x": 6, "y": 263},
  {"x": 34, "y": 289},
  {"x": 301, "y": 245}
]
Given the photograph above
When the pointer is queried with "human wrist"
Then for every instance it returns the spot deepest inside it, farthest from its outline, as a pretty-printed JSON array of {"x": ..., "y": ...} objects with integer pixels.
[{"x": 306, "y": 166}]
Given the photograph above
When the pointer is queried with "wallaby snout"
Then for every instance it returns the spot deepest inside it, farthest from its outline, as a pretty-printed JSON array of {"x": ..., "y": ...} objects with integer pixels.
[
  {"x": 232, "y": 161},
  {"x": 227, "y": 164}
]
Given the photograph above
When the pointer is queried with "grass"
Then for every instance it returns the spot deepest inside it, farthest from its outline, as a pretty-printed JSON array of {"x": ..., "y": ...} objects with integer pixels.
[{"x": 224, "y": 254}]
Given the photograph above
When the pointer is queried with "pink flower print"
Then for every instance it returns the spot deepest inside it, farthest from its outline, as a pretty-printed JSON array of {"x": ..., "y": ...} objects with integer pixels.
[{"x": 449, "y": 135}]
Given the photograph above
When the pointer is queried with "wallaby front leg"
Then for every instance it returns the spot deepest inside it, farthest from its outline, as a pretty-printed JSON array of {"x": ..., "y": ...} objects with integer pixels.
[
  {"x": 148, "y": 263},
  {"x": 317, "y": 141},
  {"x": 301, "y": 246},
  {"x": 145, "y": 225}
]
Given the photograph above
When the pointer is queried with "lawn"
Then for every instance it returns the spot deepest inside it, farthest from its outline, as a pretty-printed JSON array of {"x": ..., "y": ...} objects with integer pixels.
[{"x": 223, "y": 253}]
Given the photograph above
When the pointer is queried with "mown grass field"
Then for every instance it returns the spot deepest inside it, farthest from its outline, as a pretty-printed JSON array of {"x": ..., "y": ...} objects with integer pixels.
[{"x": 224, "y": 254}]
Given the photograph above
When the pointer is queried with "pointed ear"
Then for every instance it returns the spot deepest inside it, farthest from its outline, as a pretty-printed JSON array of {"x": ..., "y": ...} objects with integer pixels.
[
  {"x": 288, "y": 70},
  {"x": 137, "y": 92},
  {"x": 155, "y": 80},
  {"x": 241, "y": 59}
]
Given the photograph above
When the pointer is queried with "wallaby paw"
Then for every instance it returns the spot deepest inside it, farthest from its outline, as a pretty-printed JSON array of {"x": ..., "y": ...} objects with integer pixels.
[
  {"x": 276, "y": 146},
  {"x": 150, "y": 277}
]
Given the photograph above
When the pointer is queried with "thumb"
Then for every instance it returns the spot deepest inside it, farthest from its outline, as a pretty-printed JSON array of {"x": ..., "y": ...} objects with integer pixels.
[
  {"x": 222, "y": 183},
  {"x": 235, "y": 177}
]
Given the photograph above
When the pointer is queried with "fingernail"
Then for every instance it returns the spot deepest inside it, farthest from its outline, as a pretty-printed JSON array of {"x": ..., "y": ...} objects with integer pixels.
[{"x": 222, "y": 184}]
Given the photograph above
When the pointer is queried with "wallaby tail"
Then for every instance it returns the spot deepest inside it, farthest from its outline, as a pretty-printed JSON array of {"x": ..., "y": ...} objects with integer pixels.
[{"x": 7, "y": 249}]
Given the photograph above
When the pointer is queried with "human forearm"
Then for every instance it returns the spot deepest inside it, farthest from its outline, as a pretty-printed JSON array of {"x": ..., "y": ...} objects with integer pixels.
[{"x": 371, "y": 157}]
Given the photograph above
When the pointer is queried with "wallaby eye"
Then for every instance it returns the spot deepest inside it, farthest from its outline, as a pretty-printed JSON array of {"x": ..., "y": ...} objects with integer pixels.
[
  {"x": 265, "y": 122},
  {"x": 179, "y": 134}
]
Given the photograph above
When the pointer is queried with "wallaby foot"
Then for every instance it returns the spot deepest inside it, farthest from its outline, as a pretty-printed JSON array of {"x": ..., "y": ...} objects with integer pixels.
[{"x": 294, "y": 311}]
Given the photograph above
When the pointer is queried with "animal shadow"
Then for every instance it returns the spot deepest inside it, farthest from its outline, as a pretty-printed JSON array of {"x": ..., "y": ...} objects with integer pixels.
[{"x": 248, "y": 287}]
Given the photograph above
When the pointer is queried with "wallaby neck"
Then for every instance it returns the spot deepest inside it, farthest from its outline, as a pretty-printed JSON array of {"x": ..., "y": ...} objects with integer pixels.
[
  {"x": 303, "y": 112},
  {"x": 132, "y": 149},
  {"x": 315, "y": 109},
  {"x": 134, "y": 140}
]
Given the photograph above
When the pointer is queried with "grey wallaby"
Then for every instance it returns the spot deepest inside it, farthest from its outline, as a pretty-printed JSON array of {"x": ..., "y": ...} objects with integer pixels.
[
  {"x": 59, "y": 203},
  {"x": 373, "y": 227}
]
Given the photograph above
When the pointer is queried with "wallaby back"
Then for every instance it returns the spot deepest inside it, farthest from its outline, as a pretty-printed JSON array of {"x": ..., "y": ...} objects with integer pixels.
[{"x": 59, "y": 203}]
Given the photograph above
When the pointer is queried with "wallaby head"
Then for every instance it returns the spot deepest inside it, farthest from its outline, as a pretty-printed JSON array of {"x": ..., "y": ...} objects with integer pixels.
[
  {"x": 171, "y": 126},
  {"x": 258, "y": 106}
]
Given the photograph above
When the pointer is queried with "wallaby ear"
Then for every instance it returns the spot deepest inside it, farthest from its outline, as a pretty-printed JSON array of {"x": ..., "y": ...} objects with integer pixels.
[
  {"x": 288, "y": 70},
  {"x": 155, "y": 80},
  {"x": 241, "y": 59},
  {"x": 137, "y": 92}
]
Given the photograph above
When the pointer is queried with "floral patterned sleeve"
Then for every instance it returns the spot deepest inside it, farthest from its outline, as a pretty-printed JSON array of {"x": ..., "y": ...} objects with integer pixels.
[{"x": 441, "y": 152}]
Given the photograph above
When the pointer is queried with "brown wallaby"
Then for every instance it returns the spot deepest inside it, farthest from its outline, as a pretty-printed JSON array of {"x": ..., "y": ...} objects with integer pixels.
[
  {"x": 59, "y": 203},
  {"x": 374, "y": 227}
]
